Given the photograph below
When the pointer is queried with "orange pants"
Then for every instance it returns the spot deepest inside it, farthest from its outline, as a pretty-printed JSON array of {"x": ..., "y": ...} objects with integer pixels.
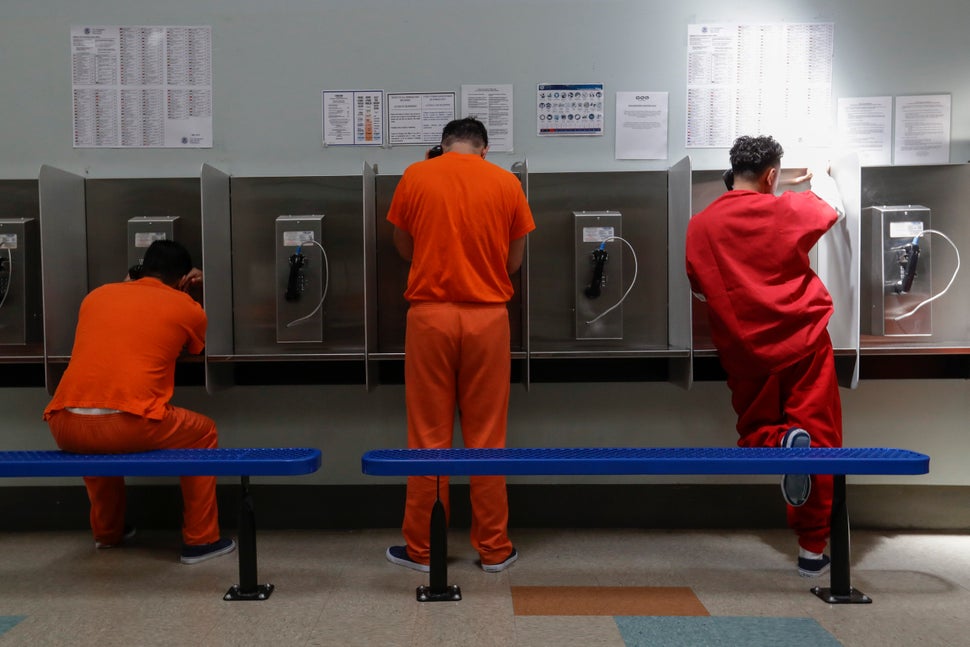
[
  {"x": 457, "y": 356},
  {"x": 806, "y": 395},
  {"x": 125, "y": 433}
]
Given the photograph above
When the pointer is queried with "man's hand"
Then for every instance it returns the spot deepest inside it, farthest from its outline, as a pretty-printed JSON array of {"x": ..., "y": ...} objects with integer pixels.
[
  {"x": 191, "y": 280},
  {"x": 804, "y": 175}
]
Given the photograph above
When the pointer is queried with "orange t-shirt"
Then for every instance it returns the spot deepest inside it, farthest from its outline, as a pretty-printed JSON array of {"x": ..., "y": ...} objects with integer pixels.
[
  {"x": 128, "y": 338},
  {"x": 462, "y": 212}
]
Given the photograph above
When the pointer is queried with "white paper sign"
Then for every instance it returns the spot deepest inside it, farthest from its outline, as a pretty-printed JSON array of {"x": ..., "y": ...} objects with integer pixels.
[
  {"x": 641, "y": 125},
  {"x": 922, "y": 130},
  {"x": 418, "y": 117},
  {"x": 492, "y": 105},
  {"x": 865, "y": 127}
]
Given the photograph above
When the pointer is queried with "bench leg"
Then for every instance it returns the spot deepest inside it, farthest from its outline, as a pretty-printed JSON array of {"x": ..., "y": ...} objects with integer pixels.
[
  {"x": 247, "y": 589},
  {"x": 840, "y": 591},
  {"x": 439, "y": 591}
]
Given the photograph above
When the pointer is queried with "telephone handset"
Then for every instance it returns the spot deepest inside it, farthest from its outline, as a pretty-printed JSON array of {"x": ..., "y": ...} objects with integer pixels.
[
  {"x": 907, "y": 256},
  {"x": 6, "y": 266},
  {"x": 600, "y": 256},
  {"x": 4, "y": 274},
  {"x": 294, "y": 284}
]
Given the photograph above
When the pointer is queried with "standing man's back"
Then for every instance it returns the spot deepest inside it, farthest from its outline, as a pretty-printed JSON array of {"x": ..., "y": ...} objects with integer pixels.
[{"x": 462, "y": 223}]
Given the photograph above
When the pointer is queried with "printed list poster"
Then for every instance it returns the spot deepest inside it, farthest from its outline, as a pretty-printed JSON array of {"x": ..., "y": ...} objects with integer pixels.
[
  {"x": 142, "y": 86},
  {"x": 759, "y": 79}
]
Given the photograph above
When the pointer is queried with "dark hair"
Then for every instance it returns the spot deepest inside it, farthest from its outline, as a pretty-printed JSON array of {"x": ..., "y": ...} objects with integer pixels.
[
  {"x": 468, "y": 129},
  {"x": 752, "y": 156},
  {"x": 167, "y": 261},
  {"x": 728, "y": 177}
]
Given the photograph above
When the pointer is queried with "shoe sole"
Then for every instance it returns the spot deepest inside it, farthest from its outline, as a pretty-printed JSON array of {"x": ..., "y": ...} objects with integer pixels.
[
  {"x": 796, "y": 483},
  {"x": 822, "y": 571},
  {"x": 407, "y": 563},
  {"x": 216, "y": 553},
  {"x": 796, "y": 488}
]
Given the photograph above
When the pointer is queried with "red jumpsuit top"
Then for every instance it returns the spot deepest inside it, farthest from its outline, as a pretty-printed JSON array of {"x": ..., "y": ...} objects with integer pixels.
[
  {"x": 747, "y": 254},
  {"x": 128, "y": 338},
  {"x": 462, "y": 213}
]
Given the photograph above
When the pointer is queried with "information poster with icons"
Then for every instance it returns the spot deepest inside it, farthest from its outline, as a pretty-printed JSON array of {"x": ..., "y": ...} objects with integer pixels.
[
  {"x": 569, "y": 109},
  {"x": 142, "y": 86}
]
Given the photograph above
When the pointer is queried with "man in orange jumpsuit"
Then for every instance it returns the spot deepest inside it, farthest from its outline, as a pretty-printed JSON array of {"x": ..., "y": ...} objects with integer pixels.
[
  {"x": 747, "y": 256},
  {"x": 114, "y": 395},
  {"x": 461, "y": 222}
]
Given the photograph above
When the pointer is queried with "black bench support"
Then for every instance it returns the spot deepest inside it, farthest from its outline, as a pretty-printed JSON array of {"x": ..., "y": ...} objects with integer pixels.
[
  {"x": 439, "y": 591},
  {"x": 247, "y": 589},
  {"x": 840, "y": 590}
]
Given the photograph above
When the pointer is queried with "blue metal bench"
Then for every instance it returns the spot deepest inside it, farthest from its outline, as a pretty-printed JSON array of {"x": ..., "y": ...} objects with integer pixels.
[
  {"x": 648, "y": 460},
  {"x": 244, "y": 462}
]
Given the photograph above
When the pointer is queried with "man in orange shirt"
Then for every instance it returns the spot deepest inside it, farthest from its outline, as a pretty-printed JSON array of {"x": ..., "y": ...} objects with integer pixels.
[
  {"x": 461, "y": 222},
  {"x": 114, "y": 395}
]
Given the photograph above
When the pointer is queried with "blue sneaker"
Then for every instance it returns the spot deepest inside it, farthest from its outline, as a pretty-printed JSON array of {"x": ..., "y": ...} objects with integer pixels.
[
  {"x": 795, "y": 488},
  {"x": 399, "y": 555},
  {"x": 193, "y": 554},
  {"x": 501, "y": 566},
  {"x": 813, "y": 567}
]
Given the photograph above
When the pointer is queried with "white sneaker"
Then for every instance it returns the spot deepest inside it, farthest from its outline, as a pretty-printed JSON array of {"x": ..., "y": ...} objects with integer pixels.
[{"x": 501, "y": 566}]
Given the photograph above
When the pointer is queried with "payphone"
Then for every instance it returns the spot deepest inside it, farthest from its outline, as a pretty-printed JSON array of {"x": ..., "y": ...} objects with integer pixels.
[
  {"x": 20, "y": 285},
  {"x": 599, "y": 274},
  {"x": 144, "y": 230},
  {"x": 302, "y": 277},
  {"x": 898, "y": 260}
]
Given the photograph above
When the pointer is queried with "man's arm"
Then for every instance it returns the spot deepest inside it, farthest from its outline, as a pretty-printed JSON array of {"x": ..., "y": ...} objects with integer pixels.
[
  {"x": 823, "y": 185},
  {"x": 404, "y": 244},
  {"x": 516, "y": 253}
]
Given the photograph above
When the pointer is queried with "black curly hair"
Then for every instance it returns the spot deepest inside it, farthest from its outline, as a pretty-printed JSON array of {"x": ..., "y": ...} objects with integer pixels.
[{"x": 751, "y": 156}]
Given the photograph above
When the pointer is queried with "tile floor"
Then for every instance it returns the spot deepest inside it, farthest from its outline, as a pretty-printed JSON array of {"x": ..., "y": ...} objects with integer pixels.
[{"x": 335, "y": 588}]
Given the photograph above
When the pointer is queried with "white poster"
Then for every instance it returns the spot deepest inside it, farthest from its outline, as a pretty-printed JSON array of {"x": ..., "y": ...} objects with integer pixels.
[
  {"x": 418, "y": 117},
  {"x": 753, "y": 79},
  {"x": 569, "y": 109},
  {"x": 492, "y": 105},
  {"x": 865, "y": 127},
  {"x": 922, "y": 130},
  {"x": 142, "y": 87},
  {"x": 641, "y": 125},
  {"x": 353, "y": 117}
]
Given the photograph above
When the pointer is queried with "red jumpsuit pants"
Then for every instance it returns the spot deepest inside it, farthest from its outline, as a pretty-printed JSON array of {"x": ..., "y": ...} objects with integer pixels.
[
  {"x": 125, "y": 433},
  {"x": 804, "y": 394},
  {"x": 457, "y": 357}
]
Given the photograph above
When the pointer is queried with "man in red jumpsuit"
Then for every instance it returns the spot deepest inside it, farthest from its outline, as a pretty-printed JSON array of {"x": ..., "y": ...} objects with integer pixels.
[
  {"x": 461, "y": 222},
  {"x": 114, "y": 395},
  {"x": 747, "y": 257}
]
